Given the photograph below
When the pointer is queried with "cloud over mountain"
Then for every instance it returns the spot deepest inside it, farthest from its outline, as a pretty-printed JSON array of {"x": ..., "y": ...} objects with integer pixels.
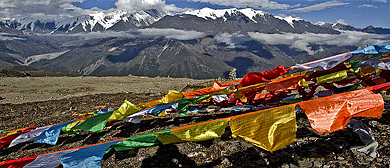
[
  {"x": 149, "y": 32},
  {"x": 263, "y": 4},
  {"x": 43, "y": 9},
  {"x": 303, "y": 41},
  {"x": 320, "y": 6},
  {"x": 135, "y": 5}
]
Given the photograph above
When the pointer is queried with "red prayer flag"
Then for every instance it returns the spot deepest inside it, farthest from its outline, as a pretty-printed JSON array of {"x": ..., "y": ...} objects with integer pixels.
[
  {"x": 17, "y": 163},
  {"x": 257, "y": 77},
  {"x": 6, "y": 140}
]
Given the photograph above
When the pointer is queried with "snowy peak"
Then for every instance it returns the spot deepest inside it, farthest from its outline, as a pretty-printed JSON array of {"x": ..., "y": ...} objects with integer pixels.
[
  {"x": 289, "y": 19},
  {"x": 101, "y": 21},
  {"x": 208, "y": 13}
]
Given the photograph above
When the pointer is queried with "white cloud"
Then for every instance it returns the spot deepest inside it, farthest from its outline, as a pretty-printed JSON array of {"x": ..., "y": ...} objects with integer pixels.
[
  {"x": 320, "y": 6},
  {"x": 342, "y": 21},
  {"x": 172, "y": 33},
  {"x": 303, "y": 41},
  {"x": 135, "y": 5},
  {"x": 367, "y": 6},
  {"x": 9, "y": 37},
  {"x": 384, "y": 1},
  {"x": 232, "y": 40},
  {"x": 44, "y": 9},
  {"x": 150, "y": 32},
  {"x": 263, "y": 4}
]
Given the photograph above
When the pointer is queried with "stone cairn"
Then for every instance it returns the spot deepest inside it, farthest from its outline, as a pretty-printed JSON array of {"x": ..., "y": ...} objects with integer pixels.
[{"x": 232, "y": 74}]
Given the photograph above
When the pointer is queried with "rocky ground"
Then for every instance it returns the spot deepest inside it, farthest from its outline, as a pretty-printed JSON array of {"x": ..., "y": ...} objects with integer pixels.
[{"x": 310, "y": 150}]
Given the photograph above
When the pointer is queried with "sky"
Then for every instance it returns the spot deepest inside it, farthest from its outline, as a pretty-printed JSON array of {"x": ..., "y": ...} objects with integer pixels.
[{"x": 358, "y": 13}]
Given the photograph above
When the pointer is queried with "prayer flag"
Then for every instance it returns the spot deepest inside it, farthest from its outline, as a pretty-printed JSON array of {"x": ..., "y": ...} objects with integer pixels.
[
  {"x": 88, "y": 157},
  {"x": 270, "y": 129},
  {"x": 50, "y": 135},
  {"x": 124, "y": 110},
  {"x": 195, "y": 132},
  {"x": 95, "y": 123},
  {"x": 337, "y": 76},
  {"x": 140, "y": 141},
  {"x": 329, "y": 114}
]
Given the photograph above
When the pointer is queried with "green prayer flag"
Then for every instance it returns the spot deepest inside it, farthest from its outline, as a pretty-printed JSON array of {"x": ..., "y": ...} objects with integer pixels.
[
  {"x": 182, "y": 106},
  {"x": 140, "y": 141},
  {"x": 63, "y": 129},
  {"x": 95, "y": 123}
]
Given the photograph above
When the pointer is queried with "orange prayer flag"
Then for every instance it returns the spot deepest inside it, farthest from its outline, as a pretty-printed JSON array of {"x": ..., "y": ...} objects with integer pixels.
[
  {"x": 217, "y": 86},
  {"x": 283, "y": 83},
  {"x": 332, "y": 113}
]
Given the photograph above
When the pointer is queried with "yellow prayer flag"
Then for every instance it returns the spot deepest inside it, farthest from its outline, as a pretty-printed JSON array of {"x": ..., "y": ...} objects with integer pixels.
[
  {"x": 378, "y": 72},
  {"x": 124, "y": 110},
  {"x": 172, "y": 96},
  {"x": 364, "y": 71},
  {"x": 333, "y": 77},
  {"x": 73, "y": 124},
  {"x": 270, "y": 129},
  {"x": 303, "y": 83},
  {"x": 196, "y": 132}
]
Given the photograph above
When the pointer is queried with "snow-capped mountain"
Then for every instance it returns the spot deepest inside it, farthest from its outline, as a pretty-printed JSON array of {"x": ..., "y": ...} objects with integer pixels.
[
  {"x": 238, "y": 20},
  {"x": 117, "y": 20},
  {"x": 208, "y": 13}
]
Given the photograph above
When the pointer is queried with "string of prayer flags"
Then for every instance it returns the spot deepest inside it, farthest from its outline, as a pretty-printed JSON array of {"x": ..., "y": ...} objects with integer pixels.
[
  {"x": 270, "y": 129},
  {"x": 195, "y": 132},
  {"x": 329, "y": 114}
]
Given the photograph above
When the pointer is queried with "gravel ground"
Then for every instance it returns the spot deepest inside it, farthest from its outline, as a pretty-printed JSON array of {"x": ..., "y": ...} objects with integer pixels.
[
  {"x": 310, "y": 150},
  {"x": 18, "y": 90}
]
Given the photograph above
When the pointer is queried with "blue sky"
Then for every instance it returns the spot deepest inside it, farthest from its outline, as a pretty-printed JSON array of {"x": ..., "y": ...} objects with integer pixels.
[{"x": 358, "y": 13}]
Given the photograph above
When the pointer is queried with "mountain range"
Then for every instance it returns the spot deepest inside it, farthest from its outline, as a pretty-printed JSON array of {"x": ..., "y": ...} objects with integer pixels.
[{"x": 147, "y": 43}]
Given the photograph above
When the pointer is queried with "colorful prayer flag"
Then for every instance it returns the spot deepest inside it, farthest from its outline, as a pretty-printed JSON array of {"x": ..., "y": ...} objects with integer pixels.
[
  {"x": 270, "y": 129},
  {"x": 332, "y": 113},
  {"x": 195, "y": 132}
]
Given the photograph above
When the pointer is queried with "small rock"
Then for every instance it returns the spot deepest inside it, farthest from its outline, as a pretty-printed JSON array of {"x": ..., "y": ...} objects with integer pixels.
[
  {"x": 293, "y": 166},
  {"x": 305, "y": 163},
  {"x": 194, "y": 154},
  {"x": 317, "y": 164},
  {"x": 285, "y": 165},
  {"x": 326, "y": 166},
  {"x": 225, "y": 161}
]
